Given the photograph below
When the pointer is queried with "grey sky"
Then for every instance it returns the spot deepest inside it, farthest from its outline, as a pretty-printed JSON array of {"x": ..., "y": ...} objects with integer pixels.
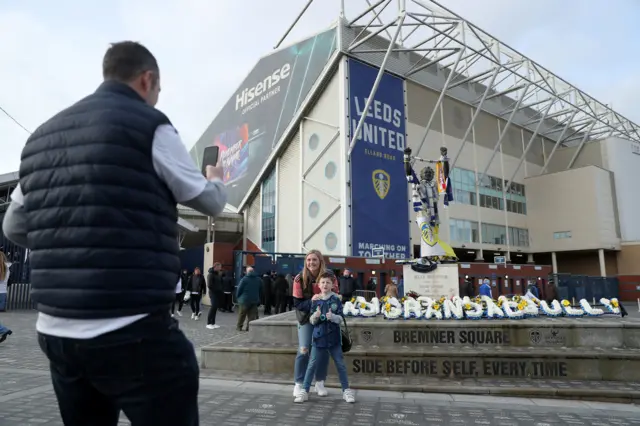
[{"x": 51, "y": 51}]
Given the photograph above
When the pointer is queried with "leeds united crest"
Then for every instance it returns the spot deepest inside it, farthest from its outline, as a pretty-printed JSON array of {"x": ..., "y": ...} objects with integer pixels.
[{"x": 381, "y": 182}]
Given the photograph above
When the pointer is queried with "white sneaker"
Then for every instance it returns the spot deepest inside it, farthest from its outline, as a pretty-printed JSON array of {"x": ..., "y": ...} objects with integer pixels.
[
  {"x": 179, "y": 313},
  {"x": 297, "y": 389},
  {"x": 215, "y": 326},
  {"x": 172, "y": 315},
  {"x": 196, "y": 317},
  {"x": 348, "y": 396},
  {"x": 193, "y": 316},
  {"x": 211, "y": 326},
  {"x": 301, "y": 397},
  {"x": 320, "y": 389}
]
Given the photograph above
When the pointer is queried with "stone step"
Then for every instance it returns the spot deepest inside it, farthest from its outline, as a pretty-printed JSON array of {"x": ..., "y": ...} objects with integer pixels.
[
  {"x": 442, "y": 362},
  {"x": 541, "y": 332},
  {"x": 607, "y": 391}
]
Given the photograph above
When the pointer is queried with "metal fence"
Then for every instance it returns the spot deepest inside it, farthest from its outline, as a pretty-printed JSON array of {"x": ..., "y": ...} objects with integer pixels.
[
  {"x": 19, "y": 297},
  {"x": 585, "y": 287}
]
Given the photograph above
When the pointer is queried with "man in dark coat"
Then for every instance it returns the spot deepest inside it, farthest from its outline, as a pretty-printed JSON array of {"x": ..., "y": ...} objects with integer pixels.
[
  {"x": 347, "y": 285},
  {"x": 216, "y": 295},
  {"x": 267, "y": 293},
  {"x": 248, "y": 296}
]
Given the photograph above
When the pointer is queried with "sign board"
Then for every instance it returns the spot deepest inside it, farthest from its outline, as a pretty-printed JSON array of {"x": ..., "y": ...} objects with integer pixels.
[
  {"x": 253, "y": 120},
  {"x": 442, "y": 281},
  {"x": 377, "y": 251},
  {"x": 379, "y": 207},
  {"x": 500, "y": 260}
]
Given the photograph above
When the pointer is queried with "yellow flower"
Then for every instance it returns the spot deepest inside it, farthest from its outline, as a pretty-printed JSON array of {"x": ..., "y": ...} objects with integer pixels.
[
  {"x": 442, "y": 299},
  {"x": 521, "y": 305},
  {"x": 565, "y": 302},
  {"x": 387, "y": 306},
  {"x": 499, "y": 303},
  {"x": 363, "y": 306},
  {"x": 615, "y": 303},
  {"x": 403, "y": 299},
  {"x": 436, "y": 306},
  {"x": 353, "y": 300},
  {"x": 467, "y": 306}
]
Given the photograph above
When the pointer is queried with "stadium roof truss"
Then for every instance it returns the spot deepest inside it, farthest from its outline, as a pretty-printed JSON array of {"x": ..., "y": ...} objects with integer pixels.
[{"x": 411, "y": 38}]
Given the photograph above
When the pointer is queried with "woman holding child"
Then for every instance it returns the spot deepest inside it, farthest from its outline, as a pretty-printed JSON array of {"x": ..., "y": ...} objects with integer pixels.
[{"x": 318, "y": 310}]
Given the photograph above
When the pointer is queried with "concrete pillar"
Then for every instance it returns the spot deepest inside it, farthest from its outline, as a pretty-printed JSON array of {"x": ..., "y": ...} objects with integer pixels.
[
  {"x": 245, "y": 223},
  {"x": 479, "y": 256},
  {"x": 603, "y": 269},
  {"x": 530, "y": 258},
  {"x": 554, "y": 262}
]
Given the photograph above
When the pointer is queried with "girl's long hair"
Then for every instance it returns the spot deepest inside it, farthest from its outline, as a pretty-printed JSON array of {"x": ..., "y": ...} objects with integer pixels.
[
  {"x": 307, "y": 276},
  {"x": 3, "y": 266}
]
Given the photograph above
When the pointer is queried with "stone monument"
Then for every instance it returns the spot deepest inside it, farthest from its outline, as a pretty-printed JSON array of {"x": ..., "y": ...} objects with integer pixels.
[{"x": 435, "y": 273}]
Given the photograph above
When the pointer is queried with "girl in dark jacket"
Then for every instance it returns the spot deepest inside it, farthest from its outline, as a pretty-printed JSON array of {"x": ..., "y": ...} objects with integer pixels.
[{"x": 197, "y": 288}]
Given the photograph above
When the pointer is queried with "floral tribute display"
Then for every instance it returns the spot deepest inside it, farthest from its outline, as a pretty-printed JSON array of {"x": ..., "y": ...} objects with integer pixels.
[{"x": 414, "y": 306}]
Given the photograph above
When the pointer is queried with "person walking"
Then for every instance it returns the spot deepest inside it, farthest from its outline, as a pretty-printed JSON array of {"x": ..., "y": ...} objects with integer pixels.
[
  {"x": 267, "y": 293},
  {"x": 214, "y": 282},
  {"x": 228, "y": 288},
  {"x": 289, "y": 279},
  {"x": 5, "y": 274},
  {"x": 197, "y": 288},
  {"x": 281, "y": 287},
  {"x": 4, "y": 279},
  {"x": 96, "y": 204},
  {"x": 179, "y": 299},
  {"x": 248, "y": 296}
]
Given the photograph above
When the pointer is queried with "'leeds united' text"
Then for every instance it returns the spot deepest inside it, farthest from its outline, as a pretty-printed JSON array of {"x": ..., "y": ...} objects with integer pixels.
[{"x": 376, "y": 135}]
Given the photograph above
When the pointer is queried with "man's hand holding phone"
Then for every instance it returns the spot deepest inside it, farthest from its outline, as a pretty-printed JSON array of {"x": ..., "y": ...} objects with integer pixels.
[
  {"x": 211, "y": 163},
  {"x": 214, "y": 172}
]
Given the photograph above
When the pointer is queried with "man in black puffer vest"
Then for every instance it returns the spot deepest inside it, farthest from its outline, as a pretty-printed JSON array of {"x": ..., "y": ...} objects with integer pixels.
[{"x": 96, "y": 205}]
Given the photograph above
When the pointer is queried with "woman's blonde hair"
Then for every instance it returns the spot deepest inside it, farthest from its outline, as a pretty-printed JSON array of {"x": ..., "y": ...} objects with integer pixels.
[
  {"x": 3, "y": 266},
  {"x": 306, "y": 273}
]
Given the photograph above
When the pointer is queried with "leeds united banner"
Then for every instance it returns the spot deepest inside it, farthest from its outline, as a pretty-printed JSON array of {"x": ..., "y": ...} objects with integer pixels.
[{"x": 379, "y": 200}]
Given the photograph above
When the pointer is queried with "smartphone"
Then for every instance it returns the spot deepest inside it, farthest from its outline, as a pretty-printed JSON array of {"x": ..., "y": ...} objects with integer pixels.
[{"x": 209, "y": 158}]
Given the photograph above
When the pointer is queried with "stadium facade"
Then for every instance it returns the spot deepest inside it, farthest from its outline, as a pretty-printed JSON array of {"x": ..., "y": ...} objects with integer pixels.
[{"x": 542, "y": 172}]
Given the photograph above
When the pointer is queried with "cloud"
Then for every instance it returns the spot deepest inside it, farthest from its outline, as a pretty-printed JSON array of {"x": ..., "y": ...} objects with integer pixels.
[{"x": 205, "y": 48}]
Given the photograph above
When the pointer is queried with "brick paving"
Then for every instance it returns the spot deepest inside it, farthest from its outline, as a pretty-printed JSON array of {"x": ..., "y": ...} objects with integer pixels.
[{"x": 26, "y": 398}]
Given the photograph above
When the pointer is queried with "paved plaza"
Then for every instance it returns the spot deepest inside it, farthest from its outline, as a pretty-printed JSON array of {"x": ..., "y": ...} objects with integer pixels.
[{"x": 26, "y": 397}]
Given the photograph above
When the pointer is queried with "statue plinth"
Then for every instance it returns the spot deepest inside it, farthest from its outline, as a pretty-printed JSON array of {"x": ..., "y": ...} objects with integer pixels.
[{"x": 442, "y": 281}]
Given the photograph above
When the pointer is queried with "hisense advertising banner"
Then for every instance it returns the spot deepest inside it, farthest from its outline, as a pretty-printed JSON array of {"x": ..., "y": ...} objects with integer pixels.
[
  {"x": 379, "y": 204},
  {"x": 252, "y": 122}
]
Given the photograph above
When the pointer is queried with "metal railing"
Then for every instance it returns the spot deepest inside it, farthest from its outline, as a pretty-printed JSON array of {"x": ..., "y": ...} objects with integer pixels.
[
  {"x": 367, "y": 294},
  {"x": 19, "y": 297},
  {"x": 585, "y": 287}
]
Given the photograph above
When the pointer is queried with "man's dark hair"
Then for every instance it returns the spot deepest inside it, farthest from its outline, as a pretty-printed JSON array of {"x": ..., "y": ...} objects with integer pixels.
[{"x": 126, "y": 60}]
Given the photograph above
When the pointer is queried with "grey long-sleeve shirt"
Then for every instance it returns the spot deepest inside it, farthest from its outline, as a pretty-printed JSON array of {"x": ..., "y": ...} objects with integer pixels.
[{"x": 173, "y": 165}]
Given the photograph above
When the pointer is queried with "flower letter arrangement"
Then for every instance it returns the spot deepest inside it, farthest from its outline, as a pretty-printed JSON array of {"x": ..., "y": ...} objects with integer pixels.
[{"x": 414, "y": 306}]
